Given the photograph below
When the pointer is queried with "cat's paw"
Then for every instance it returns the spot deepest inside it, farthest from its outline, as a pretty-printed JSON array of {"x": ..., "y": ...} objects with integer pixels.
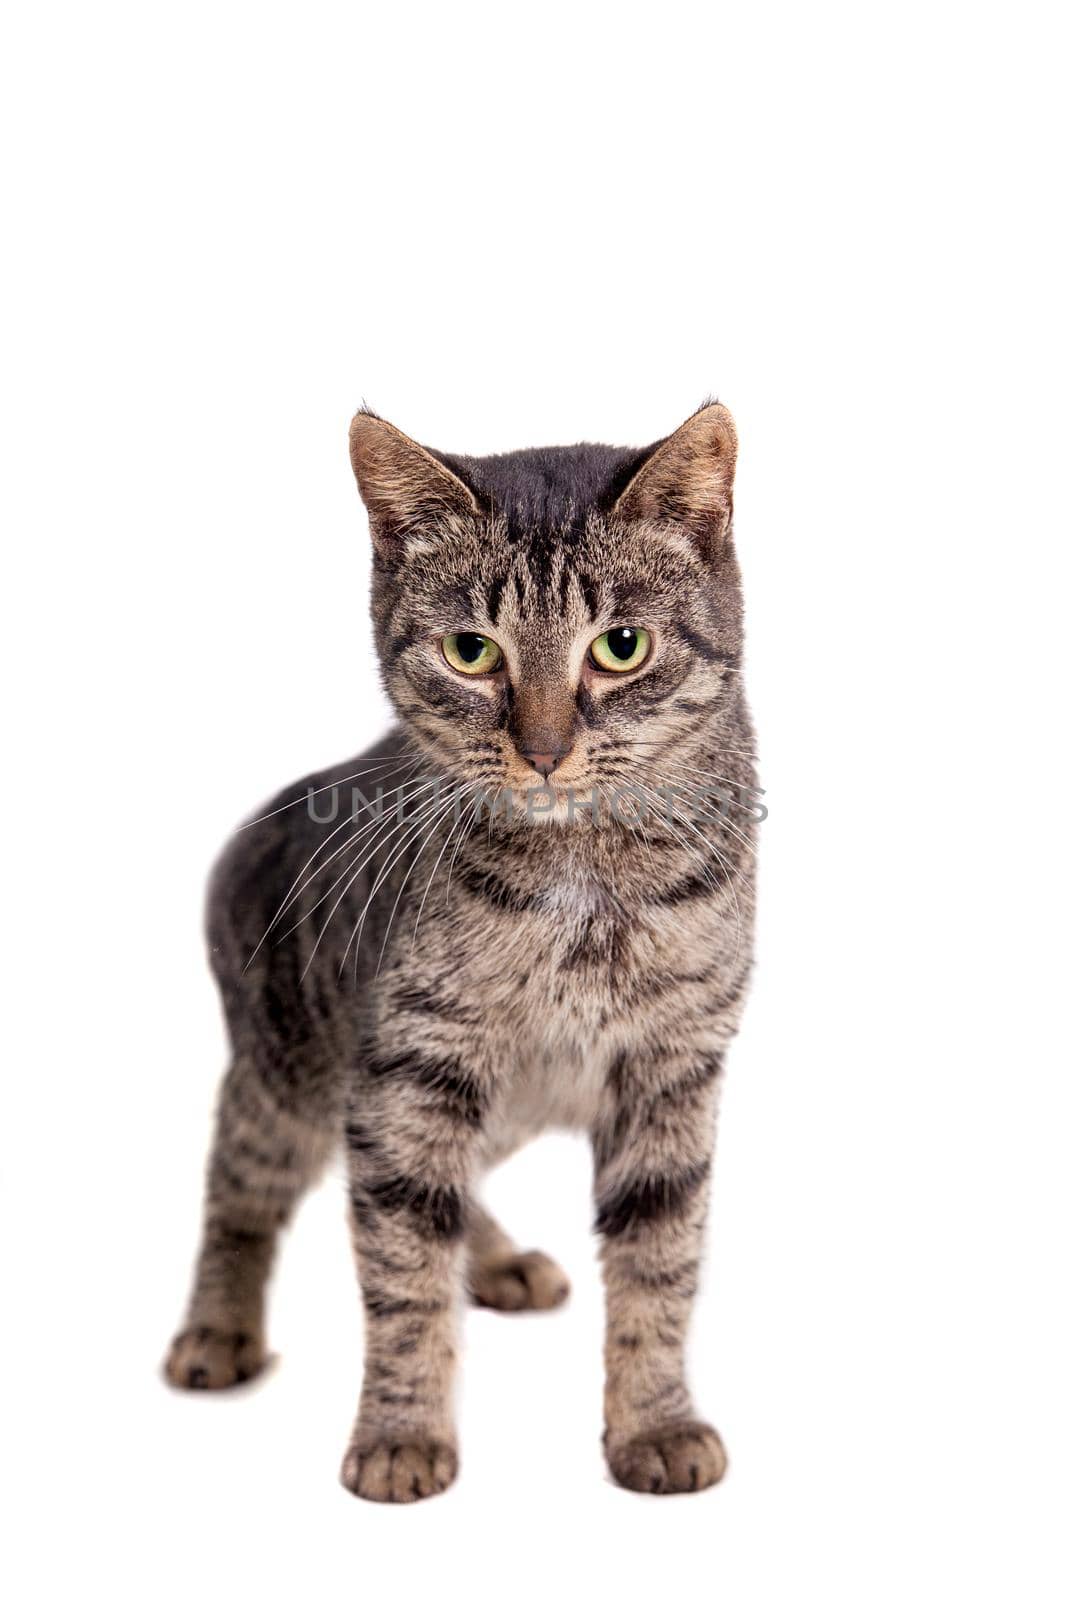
[
  {"x": 399, "y": 1468},
  {"x": 205, "y": 1358},
  {"x": 528, "y": 1282},
  {"x": 675, "y": 1458}
]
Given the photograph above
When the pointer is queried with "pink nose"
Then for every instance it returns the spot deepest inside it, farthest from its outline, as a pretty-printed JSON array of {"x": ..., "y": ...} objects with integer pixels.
[{"x": 543, "y": 761}]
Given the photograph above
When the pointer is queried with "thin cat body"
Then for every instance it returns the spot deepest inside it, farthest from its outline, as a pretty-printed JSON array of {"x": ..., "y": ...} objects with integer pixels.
[{"x": 549, "y": 933}]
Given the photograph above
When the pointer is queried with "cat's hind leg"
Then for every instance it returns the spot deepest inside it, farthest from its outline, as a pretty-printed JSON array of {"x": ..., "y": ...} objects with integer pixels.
[
  {"x": 502, "y": 1276},
  {"x": 262, "y": 1159}
]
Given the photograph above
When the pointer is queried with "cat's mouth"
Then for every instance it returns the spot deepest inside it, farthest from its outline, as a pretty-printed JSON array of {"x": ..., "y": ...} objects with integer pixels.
[
  {"x": 543, "y": 798},
  {"x": 560, "y": 797},
  {"x": 558, "y": 801}
]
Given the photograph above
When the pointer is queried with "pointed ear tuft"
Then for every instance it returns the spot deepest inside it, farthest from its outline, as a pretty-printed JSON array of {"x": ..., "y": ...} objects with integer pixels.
[
  {"x": 688, "y": 480},
  {"x": 401, "y": 484}
]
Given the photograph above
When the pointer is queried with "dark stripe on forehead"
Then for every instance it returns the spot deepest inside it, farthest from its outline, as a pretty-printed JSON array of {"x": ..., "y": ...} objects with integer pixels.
[
  {"x": 493, "y": 596},
  {"x": 564, "y": 578},
  {"x": 590, "y": 595},
  {"x": 629, "y": 598}
]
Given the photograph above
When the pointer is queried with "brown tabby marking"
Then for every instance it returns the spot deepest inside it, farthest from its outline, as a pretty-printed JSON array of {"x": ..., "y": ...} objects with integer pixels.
[{"x": 433, "y": 986}]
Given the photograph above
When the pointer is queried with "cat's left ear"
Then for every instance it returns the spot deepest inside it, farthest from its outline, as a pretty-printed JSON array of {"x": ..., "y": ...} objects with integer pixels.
[
  {"x": 402, "y": 485},
  {"x": 689, "y": 480}
]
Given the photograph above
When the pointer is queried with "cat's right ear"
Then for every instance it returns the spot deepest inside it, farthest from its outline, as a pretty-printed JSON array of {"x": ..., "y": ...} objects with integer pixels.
[{"x": 402, "y": 485}]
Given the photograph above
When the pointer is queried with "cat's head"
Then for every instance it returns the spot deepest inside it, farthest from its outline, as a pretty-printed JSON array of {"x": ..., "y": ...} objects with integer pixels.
[{"x": 556, "y": 619}]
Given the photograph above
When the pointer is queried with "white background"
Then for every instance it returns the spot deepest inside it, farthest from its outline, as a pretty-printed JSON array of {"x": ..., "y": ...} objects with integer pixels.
[{"x": 226, "y": 225}]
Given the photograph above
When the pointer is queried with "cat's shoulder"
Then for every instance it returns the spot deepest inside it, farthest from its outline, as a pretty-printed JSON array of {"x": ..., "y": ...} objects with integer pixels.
[{"x": 257, "y": 858}]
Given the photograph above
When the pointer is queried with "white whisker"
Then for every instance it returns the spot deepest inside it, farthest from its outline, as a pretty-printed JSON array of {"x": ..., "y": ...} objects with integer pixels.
[
  {"x": 738, "y": 924},
  {"x": 348, "y": 877},
  {"x": 464, "y": 835},
  {"x": 398, "y": 849},
  {"x": 454, "y": 797},
  {"x": 298, "y": 882},
  {"x": 375, "y": 827},
  {"x": 392, "y": 761},
  {"x": 437, "y": 863}
]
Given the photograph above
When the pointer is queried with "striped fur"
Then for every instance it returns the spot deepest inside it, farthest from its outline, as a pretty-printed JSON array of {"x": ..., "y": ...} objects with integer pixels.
[{"x": 509, "y": 974}]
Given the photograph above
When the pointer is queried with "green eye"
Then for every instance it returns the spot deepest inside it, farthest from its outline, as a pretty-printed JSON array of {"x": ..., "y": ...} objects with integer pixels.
[
  {"x": 620, "y": 649},
  {"x": 471, "y": 653}
]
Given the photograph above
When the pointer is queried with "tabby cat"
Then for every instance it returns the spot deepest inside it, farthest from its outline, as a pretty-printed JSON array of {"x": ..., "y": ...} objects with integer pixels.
[{"x": 523, "y": 914}]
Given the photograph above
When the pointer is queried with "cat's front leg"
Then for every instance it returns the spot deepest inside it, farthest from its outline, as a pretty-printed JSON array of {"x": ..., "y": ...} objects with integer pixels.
[
  {"x": 412, "y": 1138},
  {"x": 653, "y": 1166}
]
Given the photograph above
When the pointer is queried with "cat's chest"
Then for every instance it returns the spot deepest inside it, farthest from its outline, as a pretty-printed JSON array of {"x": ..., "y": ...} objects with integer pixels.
[
  {"x": 554, "y": 982},
  {"x": 559, "y": 1005},
  {"x": 569, "y": 962}
]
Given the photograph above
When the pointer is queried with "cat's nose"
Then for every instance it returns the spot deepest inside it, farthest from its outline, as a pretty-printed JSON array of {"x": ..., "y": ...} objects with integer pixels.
[{"x": 543, "y": 762}]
